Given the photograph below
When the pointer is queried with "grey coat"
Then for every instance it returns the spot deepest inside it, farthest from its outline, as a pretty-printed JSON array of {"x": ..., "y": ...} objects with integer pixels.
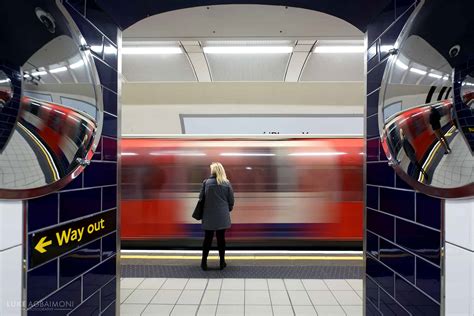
[{"x": 218, "y": 203}]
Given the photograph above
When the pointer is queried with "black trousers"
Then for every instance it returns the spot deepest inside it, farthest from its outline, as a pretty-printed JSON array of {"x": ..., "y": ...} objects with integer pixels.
[{"x": 206, "y": 245}]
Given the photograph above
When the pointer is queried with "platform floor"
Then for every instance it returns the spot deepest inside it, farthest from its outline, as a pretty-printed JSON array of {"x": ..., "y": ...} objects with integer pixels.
[{"x": 259, "y": 297}]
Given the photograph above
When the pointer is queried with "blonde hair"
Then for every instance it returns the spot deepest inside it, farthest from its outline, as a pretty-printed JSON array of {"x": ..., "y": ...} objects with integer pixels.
[{"x": 218, "y": 170}]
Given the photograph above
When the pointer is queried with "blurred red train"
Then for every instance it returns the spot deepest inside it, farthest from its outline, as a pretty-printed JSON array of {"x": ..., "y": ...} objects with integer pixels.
[{"x": 301, "y": 193}]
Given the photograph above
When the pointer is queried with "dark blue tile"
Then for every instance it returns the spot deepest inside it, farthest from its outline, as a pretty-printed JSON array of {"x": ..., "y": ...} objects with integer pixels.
[
  {"x": 42, "y": 281},
  {"x": 380, "y": 223},
  {"x": 401, "y": 7},
  {"x": 428, "y": 210},
  {"x": 110, "y": 54},
  {"x": 109, "y": 198},
  {"x": 372, "y": 244},
  {"x": 373, "y": 146},
  {"x": 371, "y": 310},
  {"x": 98, "y": 151},
  {"x": 42, "y": 212},
  {"x": 110, "y": 101},
  {"x": 79, "y": 203},
  {"x": 388, "y": 39},
  {"x": 380, "y": 173},
  {"x": 373, "y": 197},
  {"x": 373, "y": 63},
  {"x": 422, "y": 241},
  {"x": 74, "y": 184},
  {"x": 109, "y": 246},
  {"x": 78, "y": 261},
  {"x": 101, "y": 20},
  {"x": 100, "y": 173},
  {"x": 398, "y": 202},
  {"x": 374, "y": 77},
  {"x": 79, "y": 5},
  {"x": 110, "y": 125},
  {"x": 110, "y": 311},
  {"x": 91, "y": 307},
  {"x": 109, "y": 149},
  {"x": 373, "y": 126},
  {"x": 99, "y": 276},
  {"x": 371, "y": 51},
  {"x": 382, "y": 275},
  {"x": 397, "y": 259},
  {"x": 413, "y": 300},
  {"x": 373, "y": 103},
  {"x": 400, "y": 183},
  {"x": 382, "y": 154},
  {"x": 428, "y": 279},
  {"x": 63, "y": 301},
  {"x": 108, "y": 294},
  {"x": 107, "y": 75},
  {"x": 372, "y": 291},
  {"x": 389, "y": 307},
  {"x": 381, "y": 22},
  {"x": 92, "y": 36}
]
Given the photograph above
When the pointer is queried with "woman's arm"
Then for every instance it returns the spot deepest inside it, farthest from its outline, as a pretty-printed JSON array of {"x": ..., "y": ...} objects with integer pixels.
[
  {"x": 231, "y": 198},
  {"x": 201, "y": 193}
]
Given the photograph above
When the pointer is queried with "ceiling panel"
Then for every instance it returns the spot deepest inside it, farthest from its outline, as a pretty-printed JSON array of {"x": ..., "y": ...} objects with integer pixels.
[{"x": 334, "y": 67}]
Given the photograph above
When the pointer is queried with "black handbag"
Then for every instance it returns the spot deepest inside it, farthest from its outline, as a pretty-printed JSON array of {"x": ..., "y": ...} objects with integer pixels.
[{"x": 199, "y": 209}]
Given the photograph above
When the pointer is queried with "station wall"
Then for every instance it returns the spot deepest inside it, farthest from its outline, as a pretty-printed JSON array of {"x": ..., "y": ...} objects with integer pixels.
[
  {"x": 156, "y": 108},
  {"x": 403, "y": 227}
]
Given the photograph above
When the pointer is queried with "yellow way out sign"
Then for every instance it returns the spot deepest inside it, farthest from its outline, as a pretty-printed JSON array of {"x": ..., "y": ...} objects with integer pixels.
[{"x": 53, "y": 242}]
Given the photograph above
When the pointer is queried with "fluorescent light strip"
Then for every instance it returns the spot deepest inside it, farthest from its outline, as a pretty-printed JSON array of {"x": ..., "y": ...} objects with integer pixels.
[
  {"x": 400, "y": 64},
  {"x": 339, "y": 49},
  {"x": 129, "y": 154},
  {"x": 39, "y": 73},
  {"x": 177, "y": 153},
  {"x": 445, "y": 77},
  {"x": 432, "y": 75},
  {"x": 244, "y": 252},
  {"x": 248, "y": 49},
  {"x": 418, "y": 71},
  {"x": 77, "y": 64},
  {"x": 318, "y": 154},
  {"x": 247, "y": 154},
  {"x": 5, "y": 81},
  {"x": 151, "y": 50},
  {"x": 59, "y": 69}
]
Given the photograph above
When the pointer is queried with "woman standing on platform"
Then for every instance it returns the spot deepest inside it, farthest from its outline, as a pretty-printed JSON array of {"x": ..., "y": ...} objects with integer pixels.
[{"x": 218, "y": 199}]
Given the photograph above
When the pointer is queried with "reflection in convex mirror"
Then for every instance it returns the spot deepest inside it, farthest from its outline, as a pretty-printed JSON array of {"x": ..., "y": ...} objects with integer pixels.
[
  {"x": 50, "y": 101},
  {"x": 426, "y": 108}
]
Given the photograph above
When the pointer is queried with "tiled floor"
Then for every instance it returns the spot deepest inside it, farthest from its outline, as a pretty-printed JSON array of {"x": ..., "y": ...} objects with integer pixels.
[{"x": 162, "y": 296}]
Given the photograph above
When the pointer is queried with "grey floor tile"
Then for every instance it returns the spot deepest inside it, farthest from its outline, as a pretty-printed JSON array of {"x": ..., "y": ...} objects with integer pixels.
[
  {"x": 151, "y": 283},
  {"x": 299, "y": 298},
  {"x": 159, "y": 310},
  {"x": 353, "y": 310},
  {"x": 174, "y": 284},
  {"x": 257, "y": 298},
  {"x": 207, "y": 310},
  {"x": 190, "y": 297},
  {"x": 196, "y": 284},
  {"x": 276, "y": 284},
  {"x": 315, "y": 285},
  {"x": 231, "y": 297},
  {"x": 130, "y": 283},
  {"x": 356, "y": 284},
  {"x": 230, "y": 310},
  {"x": 294, "y": 285},
  {"x": 304, "y": 311},
  {"x": 140, "y": 297},
  {"x": 211, "y": 297},
  {"x": 166, "y": 297},
  {"x": 322, "y": 298},
  {"x": 330, "y": 310},
  {"x": 347, "y": 297},
  {"x": 184, "y": 310},
  {"x": 124, "y": 294},
  {"x": 233, "y": 284},
  {"x": 280, "y": 298},
  {"x": 256, "y": 284},
  {"x": 132, "y": 309},
  {"x": 338, "y": 285},
  {"x": 258, "y": 310},
  {"x": 282, "y": 310}
]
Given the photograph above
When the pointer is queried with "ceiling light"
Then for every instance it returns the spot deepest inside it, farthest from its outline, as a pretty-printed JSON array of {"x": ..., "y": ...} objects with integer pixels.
[
  {"x": 309, "y": 154},
  {"x": 55, "y": 70},
  {"x": 248, "y": 49},
  {"x": 77, "y": 64},
  {"x": 400, "y": 64},
  {"x": 247, "y": 154},
  {"x": 445, "y": 77},
  {"x": 418, "y": 71},
  {"x": 39, "y": 73},
  {"x": 5, "y": 81},
  {"x": 150, "y": 50},
  {"x": 129, "y": 154},
  {"x": 432, "y": 75},
  {"x": 339, "y": 49}
]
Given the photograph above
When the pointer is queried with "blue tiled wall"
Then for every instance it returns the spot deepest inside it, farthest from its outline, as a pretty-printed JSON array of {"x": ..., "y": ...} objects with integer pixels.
[
  {"x": 403, "y": 227},
  {"x": 86, "y": 276}
]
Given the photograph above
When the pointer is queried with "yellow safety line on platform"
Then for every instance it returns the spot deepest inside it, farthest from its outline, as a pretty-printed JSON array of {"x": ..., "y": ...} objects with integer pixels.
[{"x": 335, "y": 258}]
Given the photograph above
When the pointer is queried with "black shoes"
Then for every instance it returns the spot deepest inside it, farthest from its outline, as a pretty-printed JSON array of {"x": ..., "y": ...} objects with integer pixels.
[
  {"x": 222, "y": 265},
  {"x": 204, "y": 266}
]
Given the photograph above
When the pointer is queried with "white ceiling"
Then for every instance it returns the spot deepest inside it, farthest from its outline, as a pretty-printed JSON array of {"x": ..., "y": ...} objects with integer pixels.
[{"x": 242, "y": 25}]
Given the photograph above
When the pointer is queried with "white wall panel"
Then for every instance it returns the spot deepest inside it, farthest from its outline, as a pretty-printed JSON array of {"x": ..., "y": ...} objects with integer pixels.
[
  {"x": 460, "y": 222},
  {"x": 459, "y": 281},
  {"x": 10, "y": 281}
]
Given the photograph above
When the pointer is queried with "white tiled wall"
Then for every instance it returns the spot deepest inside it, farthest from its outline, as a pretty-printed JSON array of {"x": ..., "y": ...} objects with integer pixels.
[
  {"x": 11, "y": 218},
  {"x": 459, "y": 223}
]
